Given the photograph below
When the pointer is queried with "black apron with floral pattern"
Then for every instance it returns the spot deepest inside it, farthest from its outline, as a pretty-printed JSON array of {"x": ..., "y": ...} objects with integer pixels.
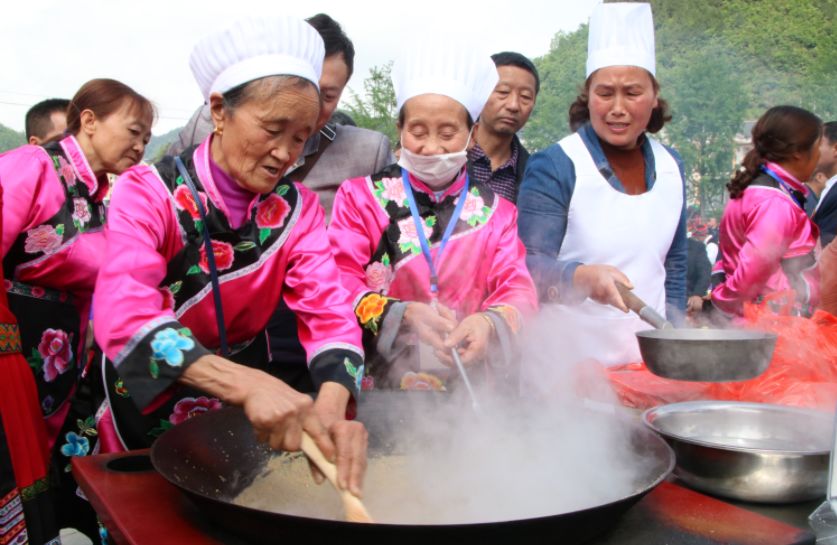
[
  {"x": 50, "y": 328},
  {"x": 185, "y": 278}
]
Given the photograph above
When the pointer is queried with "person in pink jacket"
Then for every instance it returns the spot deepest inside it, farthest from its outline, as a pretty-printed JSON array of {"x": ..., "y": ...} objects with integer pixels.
[
  {"x": 767, "y": 242},
  {"x": 53, "y": 245},
  {"x": 430, "y": 257},
  {"x": 200, "y": 248}
]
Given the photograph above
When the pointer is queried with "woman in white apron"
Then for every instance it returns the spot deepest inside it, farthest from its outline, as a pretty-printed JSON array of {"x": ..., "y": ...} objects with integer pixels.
[{"x": 606, "y": 203}]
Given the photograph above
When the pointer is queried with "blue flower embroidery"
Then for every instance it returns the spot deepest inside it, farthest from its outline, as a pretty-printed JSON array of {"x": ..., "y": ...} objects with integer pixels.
[
  {"x": 359, "y": 378},
  {"x": 76, "y": 445},
  {"x": 169, "y": 344}
]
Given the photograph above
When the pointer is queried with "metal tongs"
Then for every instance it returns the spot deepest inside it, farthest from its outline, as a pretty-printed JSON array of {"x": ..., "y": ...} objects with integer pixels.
[{"x": 462, "y": 373}]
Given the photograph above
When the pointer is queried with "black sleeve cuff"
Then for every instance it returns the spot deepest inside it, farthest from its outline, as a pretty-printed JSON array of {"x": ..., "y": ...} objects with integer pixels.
[
  {"x": 338, "y": 365},
  {"x": 155, "y": 358}
]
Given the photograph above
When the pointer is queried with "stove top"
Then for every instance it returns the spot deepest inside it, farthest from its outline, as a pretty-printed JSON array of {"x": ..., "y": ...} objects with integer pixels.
[{"x": 140, "y": 508}]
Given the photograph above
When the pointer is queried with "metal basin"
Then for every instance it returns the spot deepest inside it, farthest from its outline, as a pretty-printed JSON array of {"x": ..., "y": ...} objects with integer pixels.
[
  {"x": 712, "y": 355},
  {"x": 747, "y": 451}
]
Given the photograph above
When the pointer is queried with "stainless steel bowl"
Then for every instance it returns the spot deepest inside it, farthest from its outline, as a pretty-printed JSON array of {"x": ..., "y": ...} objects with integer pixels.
[{"x": 747, "y": 451}]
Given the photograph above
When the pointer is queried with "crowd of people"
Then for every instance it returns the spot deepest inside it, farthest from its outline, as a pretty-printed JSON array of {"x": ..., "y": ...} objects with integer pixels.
[{"x": 274, "y": 252}]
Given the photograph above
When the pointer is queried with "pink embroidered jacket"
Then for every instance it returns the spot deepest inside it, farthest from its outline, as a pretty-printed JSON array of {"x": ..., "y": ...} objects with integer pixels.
[
  {"x": 154, "y": 283},
  {"x": 767, "y": 244},
  {"x": 375, "y": 243}
]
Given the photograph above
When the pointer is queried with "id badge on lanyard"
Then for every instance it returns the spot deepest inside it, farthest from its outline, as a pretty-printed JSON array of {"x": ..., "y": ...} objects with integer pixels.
[{"x": 425, "y": 245}]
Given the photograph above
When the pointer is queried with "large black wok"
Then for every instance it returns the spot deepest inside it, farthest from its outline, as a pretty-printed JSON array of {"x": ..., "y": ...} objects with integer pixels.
[{"x": 214, "y": 456}]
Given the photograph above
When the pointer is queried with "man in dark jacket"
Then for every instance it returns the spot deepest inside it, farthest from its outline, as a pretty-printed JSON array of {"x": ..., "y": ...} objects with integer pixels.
[
  {"x": 825, "y": 215},
  {"x": 698, "y": 269},
  {"x": 498, "y": 158}
]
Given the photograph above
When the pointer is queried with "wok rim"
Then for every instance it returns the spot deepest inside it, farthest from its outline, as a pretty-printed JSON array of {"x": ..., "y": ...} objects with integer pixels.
[
  {"x": 630, "y": 499},
  {"x": 648, "y": 414},
  {"x": 752, "y": 335}
]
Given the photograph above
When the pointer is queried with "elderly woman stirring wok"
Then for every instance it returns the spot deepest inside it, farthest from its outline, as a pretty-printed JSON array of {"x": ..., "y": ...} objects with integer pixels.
[{"x": 174, "y": 318}]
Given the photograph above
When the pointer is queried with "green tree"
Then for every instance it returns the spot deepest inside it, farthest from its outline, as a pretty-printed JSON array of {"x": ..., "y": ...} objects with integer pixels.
[
  {"x": 562, "y": 74},
  {"x": 10, "y": 139},
  {"x": 376, "y": 108},
  {"x": 708, "y": 106}
]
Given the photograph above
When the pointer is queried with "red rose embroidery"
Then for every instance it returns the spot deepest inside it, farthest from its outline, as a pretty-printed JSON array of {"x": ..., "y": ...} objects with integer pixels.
[
  {"x": 188, "y": 407},
  {"x": 224, "y": 255},
  {"x": 42, "y": 238},
  {"x": 272, "y": 212},
  {"x": 56, "y": 350},
  {"x": 185, "y": 201}
]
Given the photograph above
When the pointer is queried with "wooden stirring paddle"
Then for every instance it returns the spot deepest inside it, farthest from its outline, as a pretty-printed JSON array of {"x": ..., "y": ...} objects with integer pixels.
[{"x": 355, "y": 511}]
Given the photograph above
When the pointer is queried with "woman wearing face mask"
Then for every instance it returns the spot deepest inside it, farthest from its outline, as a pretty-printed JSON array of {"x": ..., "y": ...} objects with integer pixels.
[
  {"x": 53, "y": 245},
  {"x": 606, "y": 204},
  {"x": 202, "y": 246},
  {"x": 426, "y": 254},
  {"x": 767, "y": 241}
]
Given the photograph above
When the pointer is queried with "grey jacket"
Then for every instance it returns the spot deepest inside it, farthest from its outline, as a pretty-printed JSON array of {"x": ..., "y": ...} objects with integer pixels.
[{"x": 353, "y": 152}]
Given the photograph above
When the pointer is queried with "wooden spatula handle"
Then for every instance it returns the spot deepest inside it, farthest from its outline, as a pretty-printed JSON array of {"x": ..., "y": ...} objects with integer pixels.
[
  {"x": 355, "y": 510},
  {"x": 629, "y": 297}
]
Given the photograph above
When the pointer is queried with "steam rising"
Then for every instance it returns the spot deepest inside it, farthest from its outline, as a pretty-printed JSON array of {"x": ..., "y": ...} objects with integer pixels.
[{"x": 563, "y": 447}]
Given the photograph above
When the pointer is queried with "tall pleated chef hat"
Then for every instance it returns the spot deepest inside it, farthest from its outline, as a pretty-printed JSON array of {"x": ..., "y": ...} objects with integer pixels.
[
  {"x": 455, "y": 70},
  {"x": 621, "y": 34},
  {"x": 256, "y": 47}
]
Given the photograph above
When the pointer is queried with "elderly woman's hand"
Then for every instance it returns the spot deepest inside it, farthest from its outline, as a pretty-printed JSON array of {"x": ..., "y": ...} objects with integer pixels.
[
  {"x": 598, "y": 282},
  {"x": 431, "y": 325},
  {"x": 349, "y": 437},
  {"x": 277, "y": 412},
  {"x": 474, "y": 334}
]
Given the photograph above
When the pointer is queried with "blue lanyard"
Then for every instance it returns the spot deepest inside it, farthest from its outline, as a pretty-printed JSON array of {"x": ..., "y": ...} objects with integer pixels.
[
  {"x": 783, "y": 184},
  {"x": 425, "y": 247}
]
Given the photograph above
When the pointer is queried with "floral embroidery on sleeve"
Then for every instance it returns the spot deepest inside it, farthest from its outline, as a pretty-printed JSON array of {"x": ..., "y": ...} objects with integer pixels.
[
  {"x": 370, "y": 311},
  {"x": 355, "y": 372},
  {"x": 168, "y": 346}
]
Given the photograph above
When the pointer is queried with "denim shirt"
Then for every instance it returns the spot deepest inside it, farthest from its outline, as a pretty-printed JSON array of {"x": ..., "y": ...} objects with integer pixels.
[{"x": 543, "y": 204}]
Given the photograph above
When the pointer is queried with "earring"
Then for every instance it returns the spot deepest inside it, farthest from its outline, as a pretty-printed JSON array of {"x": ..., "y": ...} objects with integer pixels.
[{"x": 219, "y": 131}]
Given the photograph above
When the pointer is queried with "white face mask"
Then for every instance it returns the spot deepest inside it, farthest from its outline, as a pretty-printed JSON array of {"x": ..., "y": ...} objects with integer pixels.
[{"x": 434, "y": 170}]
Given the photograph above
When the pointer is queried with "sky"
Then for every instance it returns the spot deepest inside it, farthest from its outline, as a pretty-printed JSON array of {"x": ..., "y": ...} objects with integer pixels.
[{"x": 54, "y": 46}]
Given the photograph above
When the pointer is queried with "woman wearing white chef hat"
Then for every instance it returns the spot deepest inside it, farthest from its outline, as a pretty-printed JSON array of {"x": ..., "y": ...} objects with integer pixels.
[
  {"x": 606, "y": 204},
  {"x": 201, "y": 247}
]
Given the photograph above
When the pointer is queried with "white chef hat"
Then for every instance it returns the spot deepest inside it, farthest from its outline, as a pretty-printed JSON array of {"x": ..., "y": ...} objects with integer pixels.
[
  {"x": 456, "y": 71},
  {"x": 256, "y": 47},
  {"x": 621, "y": 34}
]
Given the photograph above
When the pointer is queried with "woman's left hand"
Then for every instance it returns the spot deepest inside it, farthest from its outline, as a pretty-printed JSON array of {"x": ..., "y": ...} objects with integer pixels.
[
  {"x": 349, "y": 437},
  {"x": 474, "y": 332}
]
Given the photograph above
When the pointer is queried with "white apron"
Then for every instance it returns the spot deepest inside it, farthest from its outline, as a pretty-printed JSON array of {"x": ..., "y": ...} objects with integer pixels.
[{"x": 630, "y": 232}]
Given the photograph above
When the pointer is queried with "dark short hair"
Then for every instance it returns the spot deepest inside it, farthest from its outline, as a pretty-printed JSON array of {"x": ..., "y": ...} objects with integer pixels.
[
  {"x": 334, "y": 38},
  {"x": 510, "y": 58},
  {"x": 38, "y": 121},
  {"x": 104, "y": 97},
  {"x": 829, "y": 131}
]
